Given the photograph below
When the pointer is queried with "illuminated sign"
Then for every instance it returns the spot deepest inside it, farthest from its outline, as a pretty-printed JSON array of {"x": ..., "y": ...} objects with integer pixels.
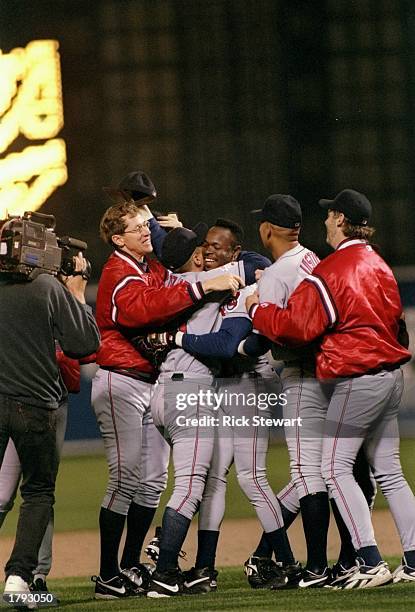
[{"x": 30, "y": 105}]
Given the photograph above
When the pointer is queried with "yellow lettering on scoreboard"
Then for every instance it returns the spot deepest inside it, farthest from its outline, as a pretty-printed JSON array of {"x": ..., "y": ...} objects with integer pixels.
[{"x": 30, "y": 106}]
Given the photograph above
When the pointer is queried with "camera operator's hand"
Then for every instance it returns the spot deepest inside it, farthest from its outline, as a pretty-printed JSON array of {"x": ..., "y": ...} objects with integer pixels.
[{"x": 77, "y": 284}]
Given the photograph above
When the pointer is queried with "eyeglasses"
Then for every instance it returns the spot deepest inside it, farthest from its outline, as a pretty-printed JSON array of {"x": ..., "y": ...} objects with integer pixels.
[{"x": 139, "y": 229}]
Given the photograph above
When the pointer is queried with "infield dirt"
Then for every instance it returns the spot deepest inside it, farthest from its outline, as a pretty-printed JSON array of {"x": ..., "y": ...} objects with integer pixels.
[{"x": 76, "y": 553}]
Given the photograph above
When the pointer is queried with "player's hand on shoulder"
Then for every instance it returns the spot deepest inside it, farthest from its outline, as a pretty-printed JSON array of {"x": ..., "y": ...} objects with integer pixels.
[{"x": 171, "y": 221}]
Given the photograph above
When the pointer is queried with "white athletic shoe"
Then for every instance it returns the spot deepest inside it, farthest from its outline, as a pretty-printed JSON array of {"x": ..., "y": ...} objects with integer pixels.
[
  {"x": 366, "y": 577},
  {"x": 404, "y": 573},
  {"x": 16, "y": 585},
  {"x": 310, "y": 580}
]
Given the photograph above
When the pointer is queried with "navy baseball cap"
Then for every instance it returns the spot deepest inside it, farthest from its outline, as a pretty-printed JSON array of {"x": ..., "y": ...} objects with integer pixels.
[
  {"x": 179, "y": 244},
  {"x": 282, "y": 210},
  {"x": 135, "y": 186},
  {"x": 354, "y": 205}
]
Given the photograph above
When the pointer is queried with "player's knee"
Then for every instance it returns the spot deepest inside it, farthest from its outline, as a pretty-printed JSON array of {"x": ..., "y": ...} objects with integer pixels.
[
  {"x": 215, "y": 486},
  {"x": 188, "y": 505},
  {"x": 390, "y": 482},
  {"x": 339, "y": 467},
  {"x": 248, "y": 480},
  {"x": 149, "y": 494},
  {"x": 328, "y": 474}
]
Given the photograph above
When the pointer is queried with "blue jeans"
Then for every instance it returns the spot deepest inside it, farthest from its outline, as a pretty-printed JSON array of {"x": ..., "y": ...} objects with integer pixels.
[{"x": 33, "y": 431}]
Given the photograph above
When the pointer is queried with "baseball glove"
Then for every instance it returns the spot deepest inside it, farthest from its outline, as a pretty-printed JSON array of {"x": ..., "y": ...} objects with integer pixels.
[{"x": 155, "y": 346}]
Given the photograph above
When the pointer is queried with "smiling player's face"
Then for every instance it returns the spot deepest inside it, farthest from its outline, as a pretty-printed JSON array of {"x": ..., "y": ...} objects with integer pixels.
[
  {"x": 136, "y": 238},
  {"x": 219, "y": 248}
]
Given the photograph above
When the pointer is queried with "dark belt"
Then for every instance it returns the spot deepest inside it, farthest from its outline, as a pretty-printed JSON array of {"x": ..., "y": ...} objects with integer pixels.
[
  {"x": 177, "y": 376},
  {"x": 147, "y": 377}
]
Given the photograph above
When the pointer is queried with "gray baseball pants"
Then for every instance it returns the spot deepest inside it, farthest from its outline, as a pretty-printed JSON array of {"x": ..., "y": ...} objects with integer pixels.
[
  {"x": 136, "y": 453},
  {"x": 307, "y": 401},
  {"x": 191, "y": 441},
  {"x": 247, "y": 447},
  {"x": 364, "y": 411}
]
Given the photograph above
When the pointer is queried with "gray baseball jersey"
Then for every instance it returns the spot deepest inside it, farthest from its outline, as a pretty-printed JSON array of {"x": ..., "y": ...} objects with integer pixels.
[
  {"x": 181, "y": 376},
  {"x": 202, "y": 321},
  {"x": 277, "y": 284}
]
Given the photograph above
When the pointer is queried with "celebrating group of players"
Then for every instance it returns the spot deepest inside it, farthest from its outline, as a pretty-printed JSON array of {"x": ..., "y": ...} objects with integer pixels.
[
  {"x": 202, "y": 316},
  {"x": 188, "y": 313}
]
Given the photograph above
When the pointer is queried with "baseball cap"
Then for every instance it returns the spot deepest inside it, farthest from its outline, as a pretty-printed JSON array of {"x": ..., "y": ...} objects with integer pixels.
[
  {"x": 180, "y": 243},
  {"x": 136, "y": 186},
  {"x": 280, "y": 209},
  {"x": 354, "y": 205}
]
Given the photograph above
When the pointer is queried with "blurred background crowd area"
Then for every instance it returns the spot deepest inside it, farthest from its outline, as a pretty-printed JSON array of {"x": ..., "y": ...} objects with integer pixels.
[{"x": 223, "y": 102}]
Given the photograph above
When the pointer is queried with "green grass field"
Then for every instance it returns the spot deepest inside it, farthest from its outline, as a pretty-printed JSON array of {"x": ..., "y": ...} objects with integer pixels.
[
  {"x": 80, "y": 487},
  {"x": 234, "y": 593},
  {"x": 82, "y": 481}
]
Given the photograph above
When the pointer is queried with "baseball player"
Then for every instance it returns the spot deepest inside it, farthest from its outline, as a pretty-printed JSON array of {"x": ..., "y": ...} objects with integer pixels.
[
  {"x": 223, "y": 245},
  {"x": 242, "y": 439},
  {"x": 293, "y": 263},
  {"x": 189, "y": 432},
  {"x": 350, "y": 304},
  {"x": 280, "y": 222},
  {"x": 134, "y": 293}
]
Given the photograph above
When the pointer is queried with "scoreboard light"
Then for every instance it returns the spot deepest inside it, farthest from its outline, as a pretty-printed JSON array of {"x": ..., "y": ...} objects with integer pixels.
[{"x": 31, "y": 105}]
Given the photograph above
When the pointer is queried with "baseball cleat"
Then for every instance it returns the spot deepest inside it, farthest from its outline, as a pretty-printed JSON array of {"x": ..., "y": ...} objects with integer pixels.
[
  {"x": 404, "y": 573},
  {"x": 363, "y": 576},
  {"x": 115, "y": 588},
  {"x": 312, "y": 580},
  {"x": 200, "y": 580},
  {"x": 152, "y": 549},
  {"x": 166, "y": 584},
  {"x": 264, "y": 573},
  {"x": 38, "y": 584},
  {"x": 339, "y": 574},
  {"x": 139, "y": 577},
  {"x": 294, "y": 573}
]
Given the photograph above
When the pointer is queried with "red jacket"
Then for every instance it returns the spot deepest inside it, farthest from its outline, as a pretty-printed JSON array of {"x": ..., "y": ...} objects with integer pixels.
[
  {"x": 131, "y": 296},
  {"x": 352, "y": 302},
  {"x": 70, "y": 371}
]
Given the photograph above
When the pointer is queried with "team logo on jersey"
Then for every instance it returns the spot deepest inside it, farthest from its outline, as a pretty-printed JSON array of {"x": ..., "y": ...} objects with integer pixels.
[{"x": 230, "y": 304}]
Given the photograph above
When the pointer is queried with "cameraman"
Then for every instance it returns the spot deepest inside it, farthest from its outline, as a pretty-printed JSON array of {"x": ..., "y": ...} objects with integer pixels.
[{"x": 33, "y": 316}]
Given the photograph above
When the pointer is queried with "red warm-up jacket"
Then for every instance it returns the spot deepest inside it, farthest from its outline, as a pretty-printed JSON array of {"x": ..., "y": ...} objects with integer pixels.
[
  {"x": 351, "y": 305},
  {"x": 133, "y": 296}
]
